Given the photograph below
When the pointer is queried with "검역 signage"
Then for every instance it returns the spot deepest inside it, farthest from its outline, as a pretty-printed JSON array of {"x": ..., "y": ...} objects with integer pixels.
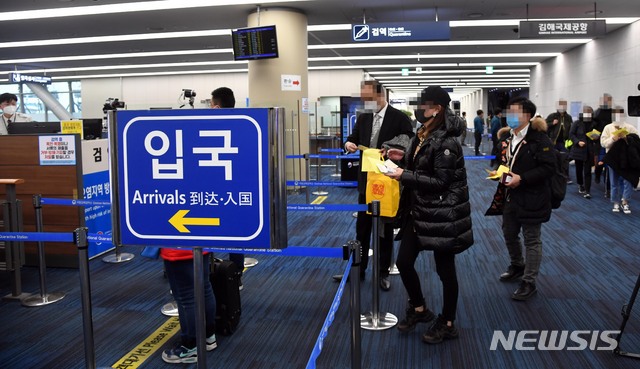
[{"x": 398, "y": 32}]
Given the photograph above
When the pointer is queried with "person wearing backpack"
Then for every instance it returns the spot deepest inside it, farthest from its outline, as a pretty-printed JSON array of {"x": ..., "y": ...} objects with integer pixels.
[{"x": 526, "y": 196}]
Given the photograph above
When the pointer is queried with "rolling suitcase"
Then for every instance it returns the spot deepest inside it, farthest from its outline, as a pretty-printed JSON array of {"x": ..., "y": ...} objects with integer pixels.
[{"x": 224, "y": 278}]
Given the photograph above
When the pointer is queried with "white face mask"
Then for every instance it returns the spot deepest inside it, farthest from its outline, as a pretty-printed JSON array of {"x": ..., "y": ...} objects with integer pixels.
[
  {"x": 371, "y": 106},
  {"x": 561, "y": 109},
  {"x": 586, "y": 115},
  {"x": 9, "y": 109}
]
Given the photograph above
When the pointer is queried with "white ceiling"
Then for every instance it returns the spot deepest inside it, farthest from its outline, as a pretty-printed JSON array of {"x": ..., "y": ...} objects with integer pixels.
[{"x": 496, "y": 44}]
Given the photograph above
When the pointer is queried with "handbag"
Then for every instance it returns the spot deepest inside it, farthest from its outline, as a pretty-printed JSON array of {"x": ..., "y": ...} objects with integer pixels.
[{"x": 385, "y": 190}]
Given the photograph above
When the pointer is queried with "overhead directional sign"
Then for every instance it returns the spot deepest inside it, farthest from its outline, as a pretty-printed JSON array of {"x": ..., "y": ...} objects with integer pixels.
[
  {"x": 403, "y": 31},
  {"x": 194, "y": 177},
  {"x": 562, "y": 28}
]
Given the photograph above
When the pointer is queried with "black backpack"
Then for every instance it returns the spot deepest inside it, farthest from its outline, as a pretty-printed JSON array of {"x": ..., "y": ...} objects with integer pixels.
[{"x": 559, "y": 178}]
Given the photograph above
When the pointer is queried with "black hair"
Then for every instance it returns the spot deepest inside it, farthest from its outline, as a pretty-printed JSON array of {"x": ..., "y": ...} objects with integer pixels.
[
  {"x": 527, "y": 105},
  {"x": 373, "y": 83},
  {"x": 497, "y": 111},
  {"x": 479, "y": 112},
  {"x": 223, "y": 96},
  {"x": 8, "y": 97}
]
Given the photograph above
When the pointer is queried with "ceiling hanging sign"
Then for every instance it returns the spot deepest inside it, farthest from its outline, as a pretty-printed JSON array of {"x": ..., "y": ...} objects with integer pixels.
[
  {"x": 562, "y": 29},
  {"x": 398, "y": 32},
  {"x": 20, "y": 78}
]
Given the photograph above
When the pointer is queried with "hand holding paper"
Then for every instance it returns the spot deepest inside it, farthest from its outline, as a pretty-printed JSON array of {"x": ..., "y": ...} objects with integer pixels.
[{"x": 497, "y": 174}]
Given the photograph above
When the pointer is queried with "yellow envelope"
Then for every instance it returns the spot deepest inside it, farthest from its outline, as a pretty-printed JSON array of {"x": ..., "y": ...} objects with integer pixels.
[
  {"x": 594, "y": 134},
  {"x": 501, "y": 170},
  {"x": 370, "y": 160}
]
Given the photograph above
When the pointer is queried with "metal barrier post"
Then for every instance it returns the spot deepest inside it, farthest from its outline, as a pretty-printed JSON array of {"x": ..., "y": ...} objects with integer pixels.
[
  {"x": 81, "y": 241},
  {"x": 44, "y": 298},
  {"x": 308, "y": 164},
  {"x": 319, "y": 192},
  {"x": 14, "y": 250},
  {"x": 354, "y": 303},
  {"x": 198, "y": 286},
  {"x": 118, "y": 257},
  {"x": 375, "y": 320}
]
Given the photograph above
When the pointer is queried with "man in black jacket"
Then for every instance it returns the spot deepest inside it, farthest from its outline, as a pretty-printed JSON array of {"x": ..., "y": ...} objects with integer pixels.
[
  {"x": 531, "y": 160},
  {"x": 380, "y": 123}
]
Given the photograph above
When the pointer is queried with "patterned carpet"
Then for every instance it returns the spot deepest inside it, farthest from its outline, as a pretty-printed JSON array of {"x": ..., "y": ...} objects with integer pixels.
[{"x": 590, "y": 265}]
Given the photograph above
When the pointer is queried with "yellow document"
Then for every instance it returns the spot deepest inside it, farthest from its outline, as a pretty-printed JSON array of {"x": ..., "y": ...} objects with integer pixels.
[
  {"x": 620, "y": 132},
  {"x": 594, "y": 134},
  {"x": 370, "y": 160},
  {"x": 497, "y": 174}
]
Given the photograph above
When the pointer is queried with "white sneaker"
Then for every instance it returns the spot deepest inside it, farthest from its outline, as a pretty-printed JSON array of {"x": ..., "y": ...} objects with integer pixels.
[
  {"x": 626, "y": 209},
  {"x": 616, "y": 208}
]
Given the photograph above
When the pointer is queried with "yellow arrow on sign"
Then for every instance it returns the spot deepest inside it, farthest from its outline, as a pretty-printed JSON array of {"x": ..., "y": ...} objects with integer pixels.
[{"x": 179, "y": 221}]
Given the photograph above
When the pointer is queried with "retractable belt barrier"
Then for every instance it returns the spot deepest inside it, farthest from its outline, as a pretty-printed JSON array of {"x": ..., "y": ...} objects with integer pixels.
[{"x": 82, "y": 238}]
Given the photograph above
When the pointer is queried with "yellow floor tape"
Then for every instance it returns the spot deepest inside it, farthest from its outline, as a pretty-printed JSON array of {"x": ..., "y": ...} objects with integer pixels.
[
  {"x": 319, "y": 200},
  {"x": 149, "y": 346}
]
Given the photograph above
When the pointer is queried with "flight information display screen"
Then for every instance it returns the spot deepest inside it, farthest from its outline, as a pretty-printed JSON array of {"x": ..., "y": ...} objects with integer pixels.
[{"x": 255, "y": 43}]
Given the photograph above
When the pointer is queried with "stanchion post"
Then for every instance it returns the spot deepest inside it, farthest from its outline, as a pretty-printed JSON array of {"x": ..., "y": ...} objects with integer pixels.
[
  {"x": 356, "y": 347},
  {"x": 13, "y": 249},
  {"x": 198, "y": 290},
  {"x": 81, "y": 241},
  {"x": 308, "y": 166},
  {"x": 375, "y": 320},
  {"x": 44, "y": 298}
]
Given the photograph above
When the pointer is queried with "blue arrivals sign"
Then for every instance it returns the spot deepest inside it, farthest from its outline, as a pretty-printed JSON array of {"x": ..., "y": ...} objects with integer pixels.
[
  {"x": 405, "y": 31},
  {"x": 194, "y": 177}
]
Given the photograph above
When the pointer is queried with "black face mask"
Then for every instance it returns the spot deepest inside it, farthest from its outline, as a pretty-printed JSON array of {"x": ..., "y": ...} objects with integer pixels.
[{"x": 420, "y": 116}]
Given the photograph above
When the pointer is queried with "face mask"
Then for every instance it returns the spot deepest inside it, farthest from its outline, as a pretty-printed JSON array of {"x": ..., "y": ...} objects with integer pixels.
[
  {"x": 561, "y": 109},
  {"x": 512, "y": 121},
  {"x": 371, "y": 105},
  {"x": 586, "y": 117},
  {"x": 9, "y": 109},
  {"x": 419, "y": 113}
]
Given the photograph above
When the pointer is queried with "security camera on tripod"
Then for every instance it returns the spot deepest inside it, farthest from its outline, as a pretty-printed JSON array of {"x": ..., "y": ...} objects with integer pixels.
[
  {"x": 187, "y": 94},
  {"x": 112, "y": 104}
]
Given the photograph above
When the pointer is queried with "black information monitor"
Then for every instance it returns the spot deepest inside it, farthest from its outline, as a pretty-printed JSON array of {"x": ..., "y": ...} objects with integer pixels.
[
  {"x": 25, "y": 128},
  {"x": 92, "y": 128},
  {"x": 255, "y": 43}
]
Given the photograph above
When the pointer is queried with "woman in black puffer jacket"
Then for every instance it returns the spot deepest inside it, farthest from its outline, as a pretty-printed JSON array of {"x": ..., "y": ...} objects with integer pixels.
[{"x": 434, "y": 208}]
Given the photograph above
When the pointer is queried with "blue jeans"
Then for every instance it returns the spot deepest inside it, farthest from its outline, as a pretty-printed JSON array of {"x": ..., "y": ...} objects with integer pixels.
[
  {"x": 619, "y": 184},
  {"x": 180, "y": 275}
]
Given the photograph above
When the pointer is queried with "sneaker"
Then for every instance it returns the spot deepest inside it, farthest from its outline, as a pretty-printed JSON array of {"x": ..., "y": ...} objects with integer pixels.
[
  {"x": 626, "y": 209},
  {"x": 569, "y": 181},
  {"x": 587, "y": 195},
  {"x": 413, "y": 318},
  {"x": 581, "y": 189},
  {"x": 211, "y": 342},
  {"x": 616, "y": 208},
  {"x": 180, "y": 354},
  {"x": 439, "y": 331}
]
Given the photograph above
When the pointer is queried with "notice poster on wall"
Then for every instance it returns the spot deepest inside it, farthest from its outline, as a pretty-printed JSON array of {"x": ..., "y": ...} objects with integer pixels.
[
  {"x": 57, "y": 150},
  {"x": 71, "y": 126}
]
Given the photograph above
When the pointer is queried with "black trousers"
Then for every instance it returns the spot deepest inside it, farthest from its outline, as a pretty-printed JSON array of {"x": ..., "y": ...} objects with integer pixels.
[
  {"x": 364, "y": 225},
  {"x": 478, "y": 137},
  {"x": 583, "y": 174},
  {"x": 445, "y": 267}
]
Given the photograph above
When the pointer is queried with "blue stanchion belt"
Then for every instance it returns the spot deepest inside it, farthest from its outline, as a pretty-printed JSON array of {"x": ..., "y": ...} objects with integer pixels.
[
  {"x": 323, "y": 183},
  {"x": 324, "y": 156},
  {"x": 36, "y": 236},
  {"x": 317, "y": 348},
  {"x": 331, "y": 150},
  {"x": 482, "y": 157},
  {"x": 72, "y": 202},
  {"x": 328, "y": 207}
]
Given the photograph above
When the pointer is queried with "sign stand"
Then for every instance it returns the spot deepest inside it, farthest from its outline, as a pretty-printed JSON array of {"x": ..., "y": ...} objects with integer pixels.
[{"x": 118, "y": 257}]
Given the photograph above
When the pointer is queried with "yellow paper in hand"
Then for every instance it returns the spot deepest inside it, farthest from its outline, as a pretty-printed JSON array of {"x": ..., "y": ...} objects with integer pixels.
[
  {"x": 501, "y": 170},
  {"x": 370, "y": 160},
  {"x": 620, "y": 132},
  {"x": 594, "y": 134}
]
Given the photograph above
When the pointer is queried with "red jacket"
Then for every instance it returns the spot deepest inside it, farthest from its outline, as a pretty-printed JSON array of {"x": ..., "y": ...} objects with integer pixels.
[{"x": 175, "y": 254}]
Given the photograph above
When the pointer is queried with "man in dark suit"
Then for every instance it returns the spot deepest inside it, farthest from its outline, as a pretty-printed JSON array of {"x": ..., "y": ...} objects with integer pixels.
[{"x": 378, "y": 124}]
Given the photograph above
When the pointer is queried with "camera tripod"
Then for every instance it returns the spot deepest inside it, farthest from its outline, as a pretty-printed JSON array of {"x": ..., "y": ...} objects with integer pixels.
[{"x": 626, "y": 313}]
